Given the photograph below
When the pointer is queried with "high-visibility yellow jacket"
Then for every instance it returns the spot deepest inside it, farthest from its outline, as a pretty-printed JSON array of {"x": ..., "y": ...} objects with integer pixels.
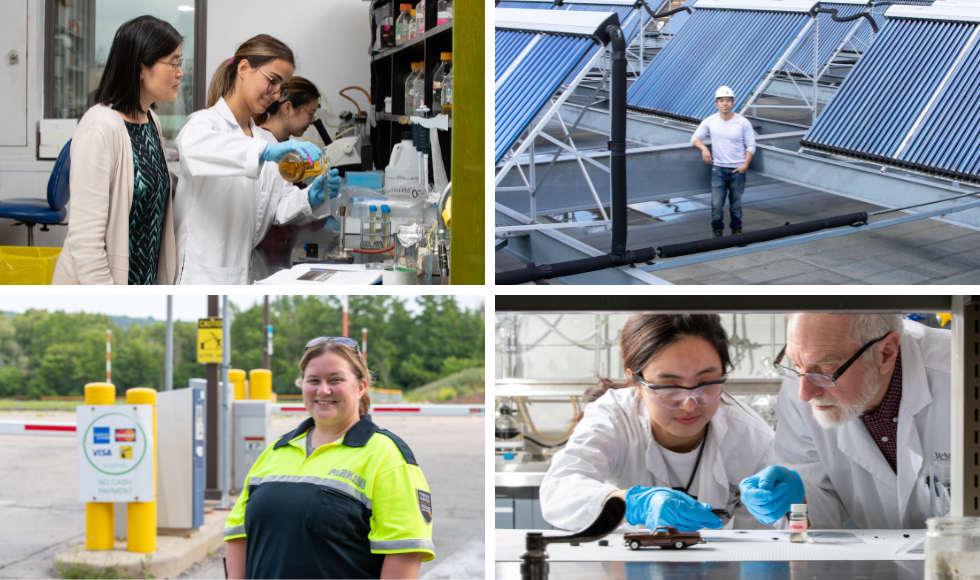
[{"x": 336, "y": 513}]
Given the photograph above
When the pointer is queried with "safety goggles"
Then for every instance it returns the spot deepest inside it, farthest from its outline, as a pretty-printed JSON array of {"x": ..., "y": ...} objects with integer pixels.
[
  {"x": 673, "y": 396},
  {"x": 341, "y": 340},
  {"x": 819, "y": 380}
]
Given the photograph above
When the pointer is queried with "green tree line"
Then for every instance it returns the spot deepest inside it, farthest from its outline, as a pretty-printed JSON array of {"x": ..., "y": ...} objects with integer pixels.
[{"x": 57, "y": 353}]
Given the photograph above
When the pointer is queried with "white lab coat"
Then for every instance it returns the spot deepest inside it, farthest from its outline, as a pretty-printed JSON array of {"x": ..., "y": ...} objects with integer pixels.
[
  {"x": 844, "y": 472},
  {"x": 613, "y": 448},
  {"x": 227, "y": 198}
]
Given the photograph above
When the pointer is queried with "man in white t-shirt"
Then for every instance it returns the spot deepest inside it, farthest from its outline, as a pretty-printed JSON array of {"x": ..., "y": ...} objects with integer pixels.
[{"x": 733, "y": 142}]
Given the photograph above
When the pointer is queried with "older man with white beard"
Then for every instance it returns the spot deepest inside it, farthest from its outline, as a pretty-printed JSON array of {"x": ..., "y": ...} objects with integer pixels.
[{"x": 864, "y": 408}]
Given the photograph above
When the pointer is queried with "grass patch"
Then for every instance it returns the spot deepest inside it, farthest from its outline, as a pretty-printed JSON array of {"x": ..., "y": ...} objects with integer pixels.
[
  {"x": 76, "y": 571},
  {"x": 464, "y": 382},
  {"x": 20, "y": 405}
]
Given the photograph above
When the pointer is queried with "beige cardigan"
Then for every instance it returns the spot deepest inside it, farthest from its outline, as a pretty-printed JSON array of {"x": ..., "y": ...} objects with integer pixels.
[{"x": 96, "y": 249}]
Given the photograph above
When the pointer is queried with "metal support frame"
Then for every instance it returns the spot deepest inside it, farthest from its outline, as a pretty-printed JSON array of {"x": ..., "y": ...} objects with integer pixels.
[
  {"x": 537, "y": 130},
  {"x": 777, "y": 161},
  {"x": 783, "y": 59},
  {"x": 784, "y": 66}
]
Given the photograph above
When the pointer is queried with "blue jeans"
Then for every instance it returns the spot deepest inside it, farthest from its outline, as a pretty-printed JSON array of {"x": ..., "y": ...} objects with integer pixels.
[{"x": 725, "y": 182}]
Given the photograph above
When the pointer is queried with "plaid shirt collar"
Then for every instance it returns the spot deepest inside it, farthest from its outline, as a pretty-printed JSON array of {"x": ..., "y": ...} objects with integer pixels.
[{"x": 882, "y": 423}]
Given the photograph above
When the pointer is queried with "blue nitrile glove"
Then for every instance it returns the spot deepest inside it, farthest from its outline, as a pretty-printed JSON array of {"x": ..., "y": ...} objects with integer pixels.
[
  {"x": 333, "y": 184},
  {"x": 769, "y": 494},
  {"x": 332, "y": 224},
  {"x": 274, "y": 151},
  {"x": 660, "y": 506},
  {"x": 315, "y": 192}
]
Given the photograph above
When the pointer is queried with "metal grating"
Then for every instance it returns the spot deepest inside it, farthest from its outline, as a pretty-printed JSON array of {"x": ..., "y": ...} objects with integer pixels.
[
  {"x": 931, "y": 68},
  {"x": 530, "y": 81},
  {"x": 716, "y": 47}
]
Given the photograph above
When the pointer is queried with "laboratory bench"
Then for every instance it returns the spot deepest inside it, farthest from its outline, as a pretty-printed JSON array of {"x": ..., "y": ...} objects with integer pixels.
[{"x": 863, "y": 554}]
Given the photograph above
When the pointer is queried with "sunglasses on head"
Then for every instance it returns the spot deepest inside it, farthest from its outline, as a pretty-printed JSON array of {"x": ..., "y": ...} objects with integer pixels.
[{"x": 341, "y": 340}]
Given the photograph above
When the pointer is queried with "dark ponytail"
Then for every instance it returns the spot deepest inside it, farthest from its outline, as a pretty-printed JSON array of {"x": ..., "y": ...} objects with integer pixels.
[
  {"x": 301, "y": 92},
  {"x": 645, "y": 335}
]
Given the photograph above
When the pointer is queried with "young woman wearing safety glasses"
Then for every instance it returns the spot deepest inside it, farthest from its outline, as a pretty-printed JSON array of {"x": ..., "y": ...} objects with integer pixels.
[
  {"x": 669, "y": 441},
  {"x": 230, "y": 191},
  {"x": 337, "y": 497}
]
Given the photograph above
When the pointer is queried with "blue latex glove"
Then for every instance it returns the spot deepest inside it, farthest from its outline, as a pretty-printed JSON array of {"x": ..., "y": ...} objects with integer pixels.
[
  {"x": 274, "y": 151},
  {"x": 660, "y": 506},
  {"x": 333, "y": 184},
  {"x": 769, "y": 494},
  {"x": 316, "y": 189}
]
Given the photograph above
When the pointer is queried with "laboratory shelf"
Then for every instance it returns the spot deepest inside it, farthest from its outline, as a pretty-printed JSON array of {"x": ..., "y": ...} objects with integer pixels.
[
  {"x": 415, "y": 42},
  {"x": 389, "y": 70}
]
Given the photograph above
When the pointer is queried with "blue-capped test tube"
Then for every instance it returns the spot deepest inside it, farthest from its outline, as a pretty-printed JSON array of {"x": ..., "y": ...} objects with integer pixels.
[{"x": 374, "y": 219}]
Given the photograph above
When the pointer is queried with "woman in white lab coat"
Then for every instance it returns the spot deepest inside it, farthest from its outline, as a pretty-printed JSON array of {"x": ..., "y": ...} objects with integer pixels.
[
  {"x": 668, "y": 441},
  {"x": 230, "y": 190}
]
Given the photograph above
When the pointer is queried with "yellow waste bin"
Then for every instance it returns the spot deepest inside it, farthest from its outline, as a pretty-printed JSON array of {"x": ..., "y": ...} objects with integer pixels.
[{"x": 34, "y": 266}]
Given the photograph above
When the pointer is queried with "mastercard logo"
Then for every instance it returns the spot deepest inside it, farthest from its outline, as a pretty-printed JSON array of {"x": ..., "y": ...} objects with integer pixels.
[{"x": 125, "y": 434}]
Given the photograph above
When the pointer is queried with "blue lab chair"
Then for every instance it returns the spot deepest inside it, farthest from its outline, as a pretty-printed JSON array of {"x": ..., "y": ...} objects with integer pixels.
[{"x": 47, "y": 212}]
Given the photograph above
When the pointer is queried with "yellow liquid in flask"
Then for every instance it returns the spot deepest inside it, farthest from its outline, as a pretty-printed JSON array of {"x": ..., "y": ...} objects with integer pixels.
[{"x": 294, "y": 169}]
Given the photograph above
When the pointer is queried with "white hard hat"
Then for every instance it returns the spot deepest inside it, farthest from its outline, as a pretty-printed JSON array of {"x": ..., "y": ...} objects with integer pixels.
[{"x": 724, "y": 92}]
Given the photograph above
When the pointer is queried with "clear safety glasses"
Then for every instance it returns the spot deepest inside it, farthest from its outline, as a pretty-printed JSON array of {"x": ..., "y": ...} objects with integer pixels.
[
  {"x": 342, "y": 340},
  {"x": 818, "y": 380},
  {"x": 673, "y": 396}
]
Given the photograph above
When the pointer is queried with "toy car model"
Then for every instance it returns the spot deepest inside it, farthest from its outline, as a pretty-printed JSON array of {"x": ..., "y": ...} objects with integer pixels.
[{"x": 666, "y": 537}]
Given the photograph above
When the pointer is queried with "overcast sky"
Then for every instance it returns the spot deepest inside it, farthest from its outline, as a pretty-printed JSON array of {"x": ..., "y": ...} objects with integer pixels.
[{"x": 186, "y": 308}]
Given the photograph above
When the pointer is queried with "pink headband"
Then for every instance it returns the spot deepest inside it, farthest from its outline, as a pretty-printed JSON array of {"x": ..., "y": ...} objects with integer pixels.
[{"x": 232, "y": 60}]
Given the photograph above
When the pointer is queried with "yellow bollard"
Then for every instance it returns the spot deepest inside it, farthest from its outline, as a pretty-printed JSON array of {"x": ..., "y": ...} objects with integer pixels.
[
  {"x": 261, "y": 384},
  {"x": 141, "y": 517},
  {"x": 100, "y": 516},
  {"x": 237, "y": 378}
]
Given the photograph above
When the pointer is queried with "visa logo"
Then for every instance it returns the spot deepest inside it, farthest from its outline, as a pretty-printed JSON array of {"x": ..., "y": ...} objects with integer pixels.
[{"x": 102, "y": 452}]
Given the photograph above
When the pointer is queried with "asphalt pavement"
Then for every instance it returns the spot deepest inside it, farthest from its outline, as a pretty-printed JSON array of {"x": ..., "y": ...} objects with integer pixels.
[{"x": 40, "y": 513}]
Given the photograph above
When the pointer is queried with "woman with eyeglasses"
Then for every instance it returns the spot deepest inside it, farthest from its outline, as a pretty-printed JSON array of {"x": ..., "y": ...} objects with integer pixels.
[
  {"x": 230, "y": 190},
  {"x": 293, "y": 116},
  {"x": 668, "y": 440},
  {"x": 121, "y": 226},
  {"x": 337, "y": 497}
]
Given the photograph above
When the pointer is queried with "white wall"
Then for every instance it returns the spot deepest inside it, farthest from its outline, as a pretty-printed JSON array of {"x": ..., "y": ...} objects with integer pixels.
[{"x": 330, "y": 39}]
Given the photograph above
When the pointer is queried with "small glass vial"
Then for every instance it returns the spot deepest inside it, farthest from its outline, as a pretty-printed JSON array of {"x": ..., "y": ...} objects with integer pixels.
[{"x": 798, "y": 523}]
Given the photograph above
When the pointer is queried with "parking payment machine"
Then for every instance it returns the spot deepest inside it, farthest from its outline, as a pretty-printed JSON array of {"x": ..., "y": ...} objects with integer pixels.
[
  {"x": 181, "y": 455},
  {"x": 252, "y": 426}
]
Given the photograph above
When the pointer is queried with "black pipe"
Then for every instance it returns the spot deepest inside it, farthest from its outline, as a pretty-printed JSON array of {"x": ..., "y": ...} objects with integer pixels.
[
  {"x": 835, "y": 18},
  {"x": 712, "y": 244},
  {"x": 617, "y": 139},
  {"x": 663, "y": 14},
  {"x": 573, "y": 267}
]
